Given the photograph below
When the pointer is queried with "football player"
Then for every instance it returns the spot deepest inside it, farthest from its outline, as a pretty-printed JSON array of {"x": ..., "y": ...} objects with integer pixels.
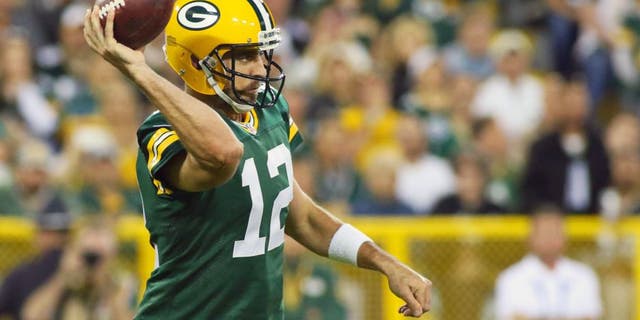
[{"x": 215, "y": 172}]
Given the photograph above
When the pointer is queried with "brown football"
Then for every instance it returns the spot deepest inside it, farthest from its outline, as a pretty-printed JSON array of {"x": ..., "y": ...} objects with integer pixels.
[{"x": 137, "y": 22}]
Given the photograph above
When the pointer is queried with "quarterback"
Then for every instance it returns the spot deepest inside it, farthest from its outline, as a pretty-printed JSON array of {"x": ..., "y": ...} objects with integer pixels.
[{"x": 215, "y": 173}]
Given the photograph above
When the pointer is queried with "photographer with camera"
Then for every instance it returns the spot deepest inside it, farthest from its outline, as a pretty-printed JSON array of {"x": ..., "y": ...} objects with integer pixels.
[
  {"x": 50, "y": 238},
  {"x": 85, "y": 286}
]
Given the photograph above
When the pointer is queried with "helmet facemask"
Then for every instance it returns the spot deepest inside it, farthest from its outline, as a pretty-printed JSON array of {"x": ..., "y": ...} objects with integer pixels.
[{"x": 271, "y": 83}]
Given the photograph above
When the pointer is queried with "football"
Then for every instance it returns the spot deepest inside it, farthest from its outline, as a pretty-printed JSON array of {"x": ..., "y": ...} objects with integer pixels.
[{"x": 137, "y": 22}]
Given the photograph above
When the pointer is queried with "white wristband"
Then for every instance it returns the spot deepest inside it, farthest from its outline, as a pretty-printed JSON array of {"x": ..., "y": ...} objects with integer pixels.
[{"x": 345, "y": 244}]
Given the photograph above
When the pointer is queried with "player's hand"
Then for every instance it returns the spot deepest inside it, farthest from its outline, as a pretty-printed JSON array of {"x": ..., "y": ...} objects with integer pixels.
[
  {"x": 411, "y": 287},
  {"x": 103, "y": 42}
]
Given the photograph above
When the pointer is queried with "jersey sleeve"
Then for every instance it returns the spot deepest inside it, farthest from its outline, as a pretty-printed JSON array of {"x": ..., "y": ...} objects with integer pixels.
[{"x": 159, "y": 143}]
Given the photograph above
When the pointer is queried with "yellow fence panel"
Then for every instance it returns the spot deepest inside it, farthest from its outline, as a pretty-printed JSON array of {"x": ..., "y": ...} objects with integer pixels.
[
  {"x": 464, "y": 255},
  {"x": 461, "y": 255}
]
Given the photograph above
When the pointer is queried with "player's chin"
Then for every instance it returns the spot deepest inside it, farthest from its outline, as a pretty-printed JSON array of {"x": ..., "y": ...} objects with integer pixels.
[{"x": 250, "y": 97}]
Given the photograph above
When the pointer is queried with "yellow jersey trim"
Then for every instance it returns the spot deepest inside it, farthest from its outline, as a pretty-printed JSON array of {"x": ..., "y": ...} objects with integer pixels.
[{"x": 156, "y": 146}]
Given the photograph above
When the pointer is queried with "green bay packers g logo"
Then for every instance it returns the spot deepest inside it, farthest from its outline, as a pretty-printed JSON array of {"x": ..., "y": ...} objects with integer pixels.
[{"x": 198, "y": 15}]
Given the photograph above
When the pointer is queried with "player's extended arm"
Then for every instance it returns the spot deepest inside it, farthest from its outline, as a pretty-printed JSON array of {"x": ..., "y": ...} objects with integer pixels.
[
  {"x": 317, "y": 229},
  {"x": 213, "y": 151}
]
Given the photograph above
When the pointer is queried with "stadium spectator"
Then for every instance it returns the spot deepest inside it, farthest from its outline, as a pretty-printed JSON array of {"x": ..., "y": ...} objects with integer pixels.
[
  {"x": 563, "y": 32},
  {"x": 512, "y": 96},
  {"x": 71, "y": 44},
  {"x": 22, "y": 98},
  {"x": 593, "y": 32},
  {"x": 423, "y": 179},
  {"x": 404, "y": 49},
  {"x": 24, "y": 16},
  {"x": 298, "y": 99},
  {"x": 623, "y": 197},
  {"x": 66, "y": 77},
  {"x": 623, "y": 146},
  {"x": 50, "y": 239},
  {"x": 371, "y": 121},
  {"x": 385, "y": 11},
  {"x": 570, "y": 166},
  {"x": 6, "y": 157},
  {"x": 623, "y": 133},
  {"x": 629, "y": 50},
  {"x": 335, "y": 177},
  {"x": 43, "y": 17},
  {"x": 86, "y": 284},
  {"x": 98, "y": 187},
  {"x": 601, "y": 47},
  {"x": 431, "y": 99},
  {"x": 469, "y": 54},
  {"x": 545, "y": 284},
  {"x": 120, "y": 108},
  {"x": 503, "y": 177},
  {"x": 32, "y": 192},
  {"x": 377, "y": 196},
  {"x": 431, "y": 91},
  {"x": 553, "y": 92},
  {"x": 525, "y": 14},
  {"x": 338, "y": 66},
  {"x": 470, "y": 197},
  {"x": 463, "y": 90},
  {"x": 6, "y": 10}
]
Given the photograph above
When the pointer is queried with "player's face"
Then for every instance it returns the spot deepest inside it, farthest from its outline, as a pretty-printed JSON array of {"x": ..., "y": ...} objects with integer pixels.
[{"x": 247, "y": 61}]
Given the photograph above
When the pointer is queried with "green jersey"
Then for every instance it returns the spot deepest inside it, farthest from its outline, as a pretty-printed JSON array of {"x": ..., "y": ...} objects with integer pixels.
[{"x": 219, "y": 252}]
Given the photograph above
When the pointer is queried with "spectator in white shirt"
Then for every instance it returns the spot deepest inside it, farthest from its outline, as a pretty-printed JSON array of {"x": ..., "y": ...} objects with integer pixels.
[
  {"x": 424, "y": 178},
  {"x": 545, "y": 284},
  {"x": 513, "y": 97},
  {"x": 21, "y": 97}
]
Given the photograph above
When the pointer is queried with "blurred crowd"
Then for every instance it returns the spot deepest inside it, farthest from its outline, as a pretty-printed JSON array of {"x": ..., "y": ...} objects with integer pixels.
[
  {"x": 445, "y": 107},
  {"x": 412, "y": 107}
]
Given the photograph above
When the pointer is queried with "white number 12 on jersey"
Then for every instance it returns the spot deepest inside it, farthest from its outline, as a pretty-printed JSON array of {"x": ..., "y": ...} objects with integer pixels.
[{"x": 253, "y": 244}]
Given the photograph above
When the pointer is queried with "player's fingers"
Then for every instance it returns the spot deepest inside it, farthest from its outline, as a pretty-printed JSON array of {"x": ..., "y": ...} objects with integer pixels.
[
  {"x": 95, "y": 23},
  {"x": 413, "y": 306},
  {"x": 423, "y": 295},
  {"x": 403, "y": 309},
  {"x": 88, "y": 31},
  {"x": 87, "y": 25},
  {"x": 108, "y": 29}
]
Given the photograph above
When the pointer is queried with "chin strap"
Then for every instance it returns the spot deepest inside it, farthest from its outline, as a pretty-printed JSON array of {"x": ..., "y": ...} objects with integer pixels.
[{"x": 237, "y": 107}]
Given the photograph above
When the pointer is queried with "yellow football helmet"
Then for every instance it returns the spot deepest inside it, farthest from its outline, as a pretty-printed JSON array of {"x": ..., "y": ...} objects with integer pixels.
[{"x": 201, "y": 32}]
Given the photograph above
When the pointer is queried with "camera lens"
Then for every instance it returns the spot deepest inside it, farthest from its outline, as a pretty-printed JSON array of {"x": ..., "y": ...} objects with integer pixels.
[{"x": 91, "y": 258}]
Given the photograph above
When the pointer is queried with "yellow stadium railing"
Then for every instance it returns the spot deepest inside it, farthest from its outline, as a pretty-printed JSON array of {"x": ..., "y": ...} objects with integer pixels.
[
  {"x": 436, "y": 246},
  {"x": 17, "y": 245},
  {"x": 395, "y": 234}
]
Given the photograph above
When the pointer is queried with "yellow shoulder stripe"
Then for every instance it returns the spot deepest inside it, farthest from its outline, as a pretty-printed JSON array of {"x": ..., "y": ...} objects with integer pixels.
[
  {"x": 158, "y": 143},
  {"x": 293, "y": 130},
  {"x": 156, "y": 146}
]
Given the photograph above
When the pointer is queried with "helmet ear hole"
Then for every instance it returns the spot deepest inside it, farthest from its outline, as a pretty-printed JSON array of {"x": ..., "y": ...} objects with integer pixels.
[{"x": 195, "y": 62}]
